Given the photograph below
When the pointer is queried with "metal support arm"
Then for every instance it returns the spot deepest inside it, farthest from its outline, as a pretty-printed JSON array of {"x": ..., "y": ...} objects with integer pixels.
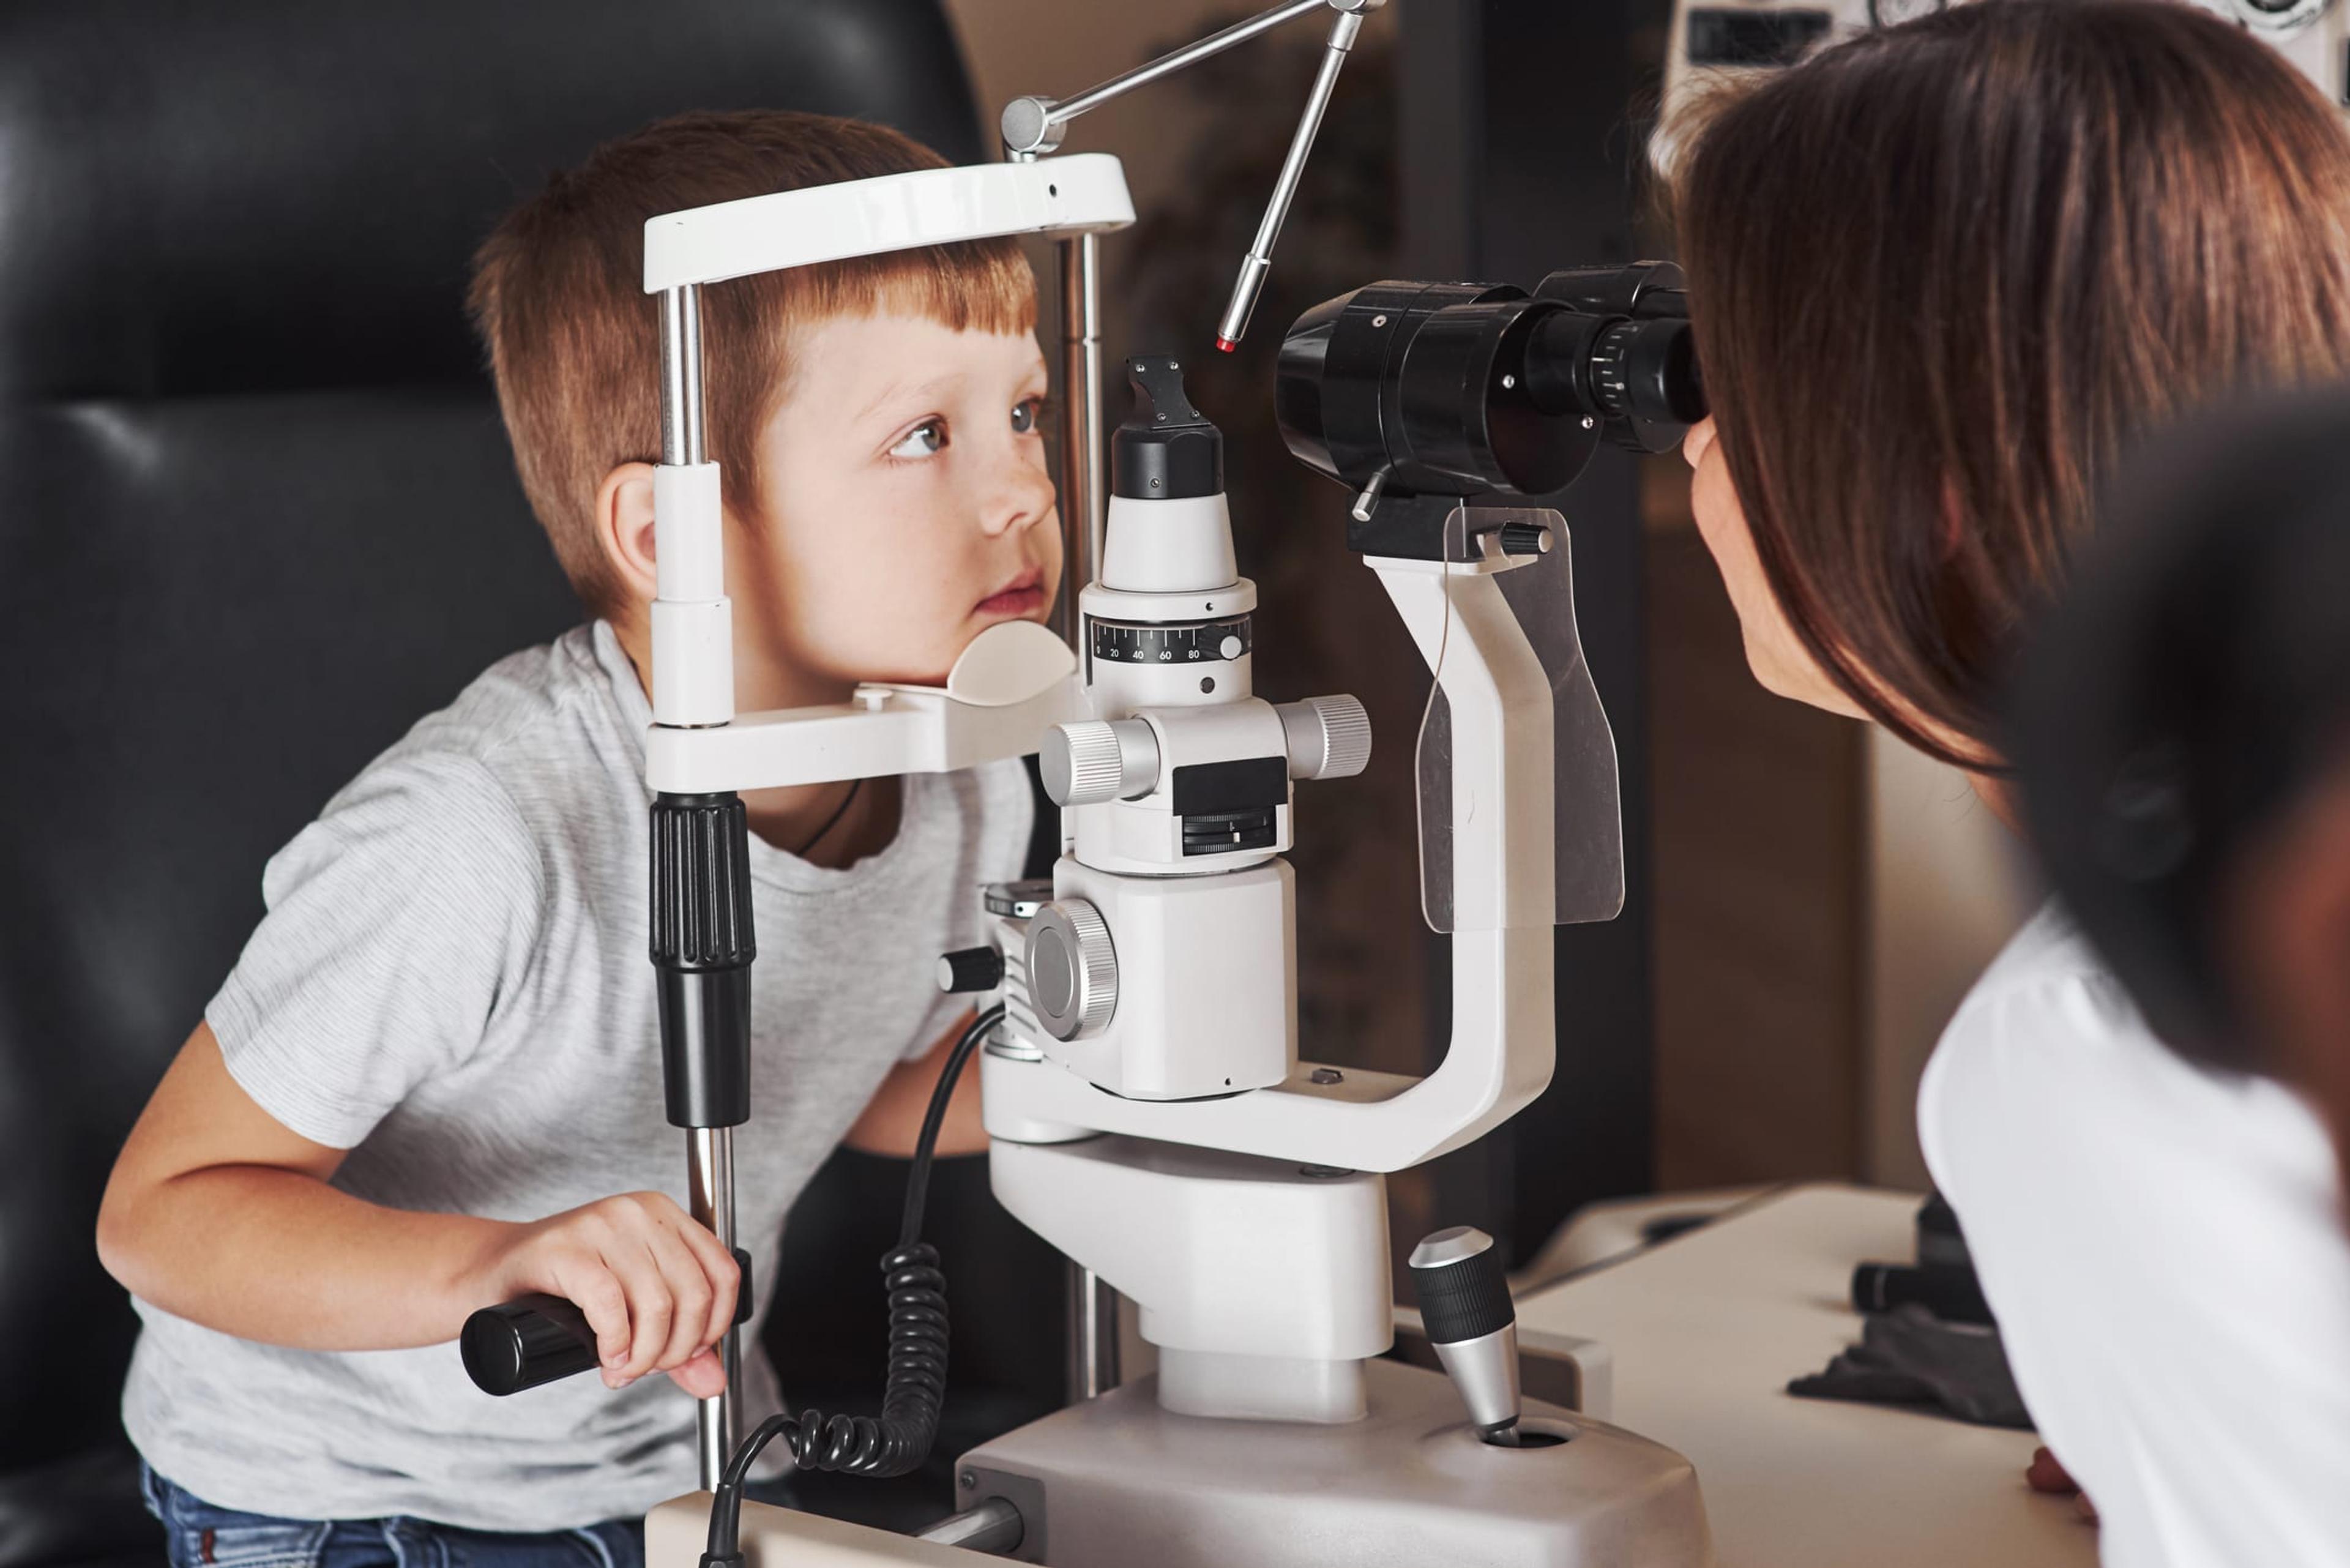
[{"x": 1034, "y": 125}]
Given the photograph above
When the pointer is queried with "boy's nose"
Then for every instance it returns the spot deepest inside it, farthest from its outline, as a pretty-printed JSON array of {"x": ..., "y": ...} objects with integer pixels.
[{"x": 1022, "y": 497}]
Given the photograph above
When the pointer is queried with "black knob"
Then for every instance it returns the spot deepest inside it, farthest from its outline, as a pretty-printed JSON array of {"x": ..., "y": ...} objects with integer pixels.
[
  {"x": 1167, "y": 451},
  {"x": 702, "y": 946},
  {"x": 526, "y": 1342},
  {"x": 742, "y": 1286},
  {"x": 536, "y": 1339},
  {"x": 542, "y": 1338},
  {"x": 971, "y": 968},
  {"x": 1463, "y": 1294}
]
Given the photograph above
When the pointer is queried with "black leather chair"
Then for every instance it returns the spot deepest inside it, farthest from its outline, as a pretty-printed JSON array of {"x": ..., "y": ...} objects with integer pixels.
[{"x": 258, "y": 515}]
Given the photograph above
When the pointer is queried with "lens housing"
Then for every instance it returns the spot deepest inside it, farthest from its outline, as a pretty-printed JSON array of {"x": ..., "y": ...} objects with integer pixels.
[{"x": 1475, "y": 389}]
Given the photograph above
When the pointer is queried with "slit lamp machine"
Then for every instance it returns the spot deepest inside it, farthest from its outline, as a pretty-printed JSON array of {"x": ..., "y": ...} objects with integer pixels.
[{"x": 1149, "y": 1111}]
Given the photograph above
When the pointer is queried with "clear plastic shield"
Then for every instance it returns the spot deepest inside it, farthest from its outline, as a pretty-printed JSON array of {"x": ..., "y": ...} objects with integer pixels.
[{"x": 1586, "y": 802}]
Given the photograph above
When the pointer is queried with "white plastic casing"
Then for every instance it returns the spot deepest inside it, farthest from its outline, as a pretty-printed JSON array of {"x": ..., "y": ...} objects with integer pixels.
[
  {"x": 1207, "y": 990},
  {"x": 1169, "y": 547},
  {"x": 1504, "y": 1021},
  {"x": 1143, "y": 836},
  {"x": 1115, "y": 690},
  {"x": 1084, "y": 192},
  {"x": 887, "y": 730},
  {"x": 1299, "y": 1292},
  {"x": 689, "y": 538},
  {"x": 692, "y": 620},
  {"x": 1014, "y": 681}
]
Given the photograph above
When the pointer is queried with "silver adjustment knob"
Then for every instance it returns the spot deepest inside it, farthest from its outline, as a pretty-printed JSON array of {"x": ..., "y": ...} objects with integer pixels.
[
  {"x": 1027, "y": 127},
  {"x": 1071, "y": 970},
  {"x": 1465, "y": 1306},
  {"x": 1093, "y": 761},
  {"x": 1329, "y": 737}
]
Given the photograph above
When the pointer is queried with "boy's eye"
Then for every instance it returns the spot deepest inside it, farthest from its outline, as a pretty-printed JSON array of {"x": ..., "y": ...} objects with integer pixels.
[
  {"x": 925, "y": 440},
  {"x": 1027, "y": 415}
]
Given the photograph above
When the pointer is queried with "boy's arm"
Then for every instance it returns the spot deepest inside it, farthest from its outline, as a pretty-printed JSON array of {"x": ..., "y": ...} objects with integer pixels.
[
  {"x": 892, "y": 1120},
  {"x": 218, "y": 1213}
]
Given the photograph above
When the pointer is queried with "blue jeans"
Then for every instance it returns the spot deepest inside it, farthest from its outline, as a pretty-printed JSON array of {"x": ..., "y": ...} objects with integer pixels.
[{"x": 202, "y": 1536}]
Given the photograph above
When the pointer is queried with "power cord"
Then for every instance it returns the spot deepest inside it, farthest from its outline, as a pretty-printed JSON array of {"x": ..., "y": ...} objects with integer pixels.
[{"x": 899, "y": 1438}]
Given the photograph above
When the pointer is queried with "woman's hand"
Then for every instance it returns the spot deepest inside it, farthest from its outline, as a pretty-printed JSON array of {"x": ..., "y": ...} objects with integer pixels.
[{"x": 655, "y": 1286}]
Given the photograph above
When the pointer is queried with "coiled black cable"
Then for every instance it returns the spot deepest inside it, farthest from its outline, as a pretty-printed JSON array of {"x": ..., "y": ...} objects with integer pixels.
[{"x": 899, "y": 1438}]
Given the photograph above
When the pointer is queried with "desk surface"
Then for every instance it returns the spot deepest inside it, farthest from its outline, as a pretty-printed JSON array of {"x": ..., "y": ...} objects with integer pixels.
[{"x": 1707, "y": 1329}]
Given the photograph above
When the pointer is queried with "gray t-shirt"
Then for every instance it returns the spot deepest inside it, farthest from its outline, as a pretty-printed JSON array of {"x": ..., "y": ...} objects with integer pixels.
[{"x": 452, "y": 983}]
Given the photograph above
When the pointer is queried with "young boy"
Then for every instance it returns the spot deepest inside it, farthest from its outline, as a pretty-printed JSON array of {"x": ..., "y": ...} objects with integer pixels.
[{"x": 436, "y": 1064}]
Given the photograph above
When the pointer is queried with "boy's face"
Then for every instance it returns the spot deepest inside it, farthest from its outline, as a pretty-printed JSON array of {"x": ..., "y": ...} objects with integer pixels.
[{"x": 907, "y": 498}]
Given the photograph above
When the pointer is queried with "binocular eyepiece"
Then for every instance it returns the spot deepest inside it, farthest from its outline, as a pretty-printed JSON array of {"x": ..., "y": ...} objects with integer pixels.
[{"x": 1452, "y": 389}]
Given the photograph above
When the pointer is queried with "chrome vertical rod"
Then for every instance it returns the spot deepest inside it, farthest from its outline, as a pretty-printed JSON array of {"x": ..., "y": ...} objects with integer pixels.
[
  {"x": 682, "y": 431},
  {"x": 1084, "y": 484},
  {"x": 1092, "y": 1334},
  {"x": 710, "y": 1151},
  {"x": 710, "y": 1190}
]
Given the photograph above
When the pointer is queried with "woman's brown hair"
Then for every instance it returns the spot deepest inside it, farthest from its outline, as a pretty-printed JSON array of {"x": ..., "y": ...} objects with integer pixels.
[{"x": 1942, "y": 274}]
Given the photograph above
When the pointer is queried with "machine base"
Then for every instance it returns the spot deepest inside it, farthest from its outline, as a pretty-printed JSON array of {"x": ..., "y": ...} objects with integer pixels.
[{"x": 1118, "y": 1483}]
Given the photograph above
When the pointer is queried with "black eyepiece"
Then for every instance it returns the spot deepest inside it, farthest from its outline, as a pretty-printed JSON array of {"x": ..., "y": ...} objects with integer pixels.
[{"x": 1470, "y": 388}]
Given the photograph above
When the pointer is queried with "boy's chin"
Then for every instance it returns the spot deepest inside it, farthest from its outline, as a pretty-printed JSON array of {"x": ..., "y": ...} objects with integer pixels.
[{"x": 935, "y": 667}]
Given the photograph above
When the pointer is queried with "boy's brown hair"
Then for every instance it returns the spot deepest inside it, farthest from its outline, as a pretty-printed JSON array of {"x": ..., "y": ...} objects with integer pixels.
[
  {"x": 574, "y": 342},
  {"x": 1943, "y": 275}
]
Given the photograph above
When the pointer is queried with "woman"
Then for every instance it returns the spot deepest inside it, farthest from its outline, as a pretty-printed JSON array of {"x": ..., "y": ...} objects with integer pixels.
[{"x": 1943, "y": 275}]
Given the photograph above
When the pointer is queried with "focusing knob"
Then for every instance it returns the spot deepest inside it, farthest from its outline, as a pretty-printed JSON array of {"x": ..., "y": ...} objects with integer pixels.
[
  {"x": 1071, "y": 970},
  {"x": 1525, "y": 539},
  {"x": 1463, "y": 1293},
  {"x": 971, "y": 968},
  {"x": 1093, "y": 761},
  {"x": 1464, "y": 1303},
  {"x": 1611, "y": 373},
  {"x": 1329, "y": 737}
]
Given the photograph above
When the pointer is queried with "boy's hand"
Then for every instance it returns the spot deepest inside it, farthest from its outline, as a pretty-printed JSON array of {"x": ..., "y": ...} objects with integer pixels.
[{"x": 656, "y": 1286}]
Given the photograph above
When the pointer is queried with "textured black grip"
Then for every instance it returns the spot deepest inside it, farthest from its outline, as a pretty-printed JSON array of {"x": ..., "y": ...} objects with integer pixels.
[
  {"x": 971, "y": 968},
  {"x": 702, "y": 945},
  {"x": 536, "y": 1339},
  {"x": 526, "y": 1342},
  {"x": 1465, "y": 1299}
]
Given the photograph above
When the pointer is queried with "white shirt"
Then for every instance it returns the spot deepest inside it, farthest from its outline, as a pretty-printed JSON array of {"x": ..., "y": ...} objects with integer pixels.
[{"x": 2163, "y": 1248}]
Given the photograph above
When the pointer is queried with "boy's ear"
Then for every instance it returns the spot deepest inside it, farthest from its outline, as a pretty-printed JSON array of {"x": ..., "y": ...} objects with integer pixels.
[{"x": 624, "y": 527}]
